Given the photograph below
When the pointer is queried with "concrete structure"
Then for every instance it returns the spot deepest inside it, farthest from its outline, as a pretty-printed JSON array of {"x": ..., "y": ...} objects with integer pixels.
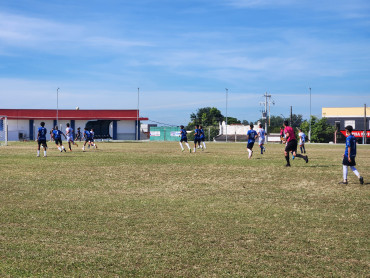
[
  {"x": 340, "y": 117},
  {"x": 115, "y": 124}
]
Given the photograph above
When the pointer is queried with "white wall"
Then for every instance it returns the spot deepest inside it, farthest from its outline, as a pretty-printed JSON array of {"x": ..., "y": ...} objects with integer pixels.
[
  {"x": 17, "y": 126},
  {"x": 126, "y": 130}
]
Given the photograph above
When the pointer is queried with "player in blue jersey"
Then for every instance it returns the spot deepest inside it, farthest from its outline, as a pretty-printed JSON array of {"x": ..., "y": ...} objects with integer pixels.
[
  {"x": 251, "y": 136},
  {"x": 41, "y": 138},
  {"x": 349, "y": 156},
  {"x": 87, "y": 137},
  {"x": 57, "y": 135},
  {"x": 202, "y": 138},
  {"x": 196, "y": 137},
  {"x": 184, "y": 138},
  {"x": 92, "y": 141},
  {"x": 302, "y": 140},
  {"x": 261, "y": 138}
]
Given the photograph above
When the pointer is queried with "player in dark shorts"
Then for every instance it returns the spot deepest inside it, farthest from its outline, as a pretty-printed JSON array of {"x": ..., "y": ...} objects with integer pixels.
[
  {"x": 78, "y": 134},
  {"x": 58, "y": 138},
  {"x": 251, "y": 137},
  {"x": 349, "y": 156},
  {"x": 41, "y": 138},
  {"x": 184, "y": 138},
  {"x": 291, "y": 145},
  {"x": 87, "y": 137},
  {"x": 202, "y": 138},
  {"x": 196, "y": 137}
]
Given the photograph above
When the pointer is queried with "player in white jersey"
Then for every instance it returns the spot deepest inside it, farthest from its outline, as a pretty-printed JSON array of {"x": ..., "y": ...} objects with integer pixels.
[
  {"x": 302, "y": 140},
  {"x": 92, "y": 141},
  {"x": 70, "y": 137},
  {"x": 261, "y": 138}
]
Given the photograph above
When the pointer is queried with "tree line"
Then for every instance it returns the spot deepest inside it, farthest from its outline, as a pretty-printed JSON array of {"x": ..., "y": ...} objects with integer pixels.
[{"x": 210, "y": 117}]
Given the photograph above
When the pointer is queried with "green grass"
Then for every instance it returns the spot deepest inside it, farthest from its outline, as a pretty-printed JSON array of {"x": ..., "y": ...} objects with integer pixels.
[{"x": 147, "y": 209}]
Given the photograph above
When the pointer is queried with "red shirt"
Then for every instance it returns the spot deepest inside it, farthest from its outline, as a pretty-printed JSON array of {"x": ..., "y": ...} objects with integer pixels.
[{"x": 290, "y": 130}]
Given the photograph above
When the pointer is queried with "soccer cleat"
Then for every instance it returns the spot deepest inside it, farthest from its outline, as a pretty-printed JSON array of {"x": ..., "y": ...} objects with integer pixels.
[
  {"x": 288, "y": 165},
  {"x": 64, "y": 150},
  {"x": 361, "y": 179},
  {"x": 38, "y": 155},
  {"x": 293, "y": 157},
  {"x": 343, "y": 182},
  {"x": 306, "y": 159},
  {"x": 45, "y": 156},
  {"x": 182, "y": 150}
]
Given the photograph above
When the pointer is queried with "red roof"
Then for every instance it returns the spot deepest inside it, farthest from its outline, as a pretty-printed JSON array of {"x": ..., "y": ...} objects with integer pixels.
[{"x": 45, "y": 114}]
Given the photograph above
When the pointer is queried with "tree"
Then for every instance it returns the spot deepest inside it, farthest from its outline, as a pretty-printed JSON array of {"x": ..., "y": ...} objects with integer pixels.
[
  {"x": 232, "y": 120},
  {"x": 321, "y": 131},
  {"x": 206, "y": 116}
]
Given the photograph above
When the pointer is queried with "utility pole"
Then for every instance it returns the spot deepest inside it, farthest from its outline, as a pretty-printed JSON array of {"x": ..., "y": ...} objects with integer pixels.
[
  {"x": 291, "y": 115},
  {"x": 266, "y": 103},
  {"x": 227, "y": 90},
  {"x": 137, "y": 116},
  {"x": 309, "y": 132},
  {"x": 365, "y": 131},
  {"x": 57, "y": 105}
]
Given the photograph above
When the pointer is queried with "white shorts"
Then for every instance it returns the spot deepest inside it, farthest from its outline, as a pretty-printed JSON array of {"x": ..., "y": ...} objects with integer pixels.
[
  {"x": 261, "y": 141},
  {"x": 70, "y": 139}
]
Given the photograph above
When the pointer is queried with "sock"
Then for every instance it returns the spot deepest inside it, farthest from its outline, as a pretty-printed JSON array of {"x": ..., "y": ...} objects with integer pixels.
[
  {"x": 204, "y": 144},
  {"x": 250, "y": 153},
  {"x": 299, "y": 155},
  {"x": 345, "y": 172},
  {"x": 261, "y": 149},
  {"x": 181, "y": 146},
  {"x": 38, "y": 152},
  {"x": 187, "y": 145},
  {"x": 287, "y": 159},
  {"x": 59, "y": 149},
  {"x": 44, "y": 153},
  {"x": 355, "y": 171},
  {"x": 301, "y": 149},
  {"x": 62, "y": 147}
]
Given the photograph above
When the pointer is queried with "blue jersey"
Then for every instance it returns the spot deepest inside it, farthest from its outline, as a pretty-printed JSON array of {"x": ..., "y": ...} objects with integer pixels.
[
  {"x": 42, "y": 133},
  {"x": 201, "y": 133},
  {"x": 197, "y": 133},
  {"x": 87, "y": 134},
  {"x": 57, "y": 134},
  {"x": 183, "y": 134},
  {"x": 350, "y": 143},
  {"x": 251, "y": 136}
]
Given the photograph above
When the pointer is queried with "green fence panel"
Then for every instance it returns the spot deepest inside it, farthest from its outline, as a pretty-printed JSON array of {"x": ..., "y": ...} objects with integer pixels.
[{"x": 164, "y": 133}]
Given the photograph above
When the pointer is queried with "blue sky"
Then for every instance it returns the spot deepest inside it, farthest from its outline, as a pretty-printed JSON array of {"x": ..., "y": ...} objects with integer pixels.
[{"x": 182, "y": 54}]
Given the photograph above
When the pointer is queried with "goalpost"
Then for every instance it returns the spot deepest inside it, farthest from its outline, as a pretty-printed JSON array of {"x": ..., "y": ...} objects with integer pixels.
[{"x": 3, "y": 130}]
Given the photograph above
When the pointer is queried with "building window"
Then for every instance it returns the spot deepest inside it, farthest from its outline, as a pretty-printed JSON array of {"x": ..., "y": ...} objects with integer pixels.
[{"x": 351, "y": 122}]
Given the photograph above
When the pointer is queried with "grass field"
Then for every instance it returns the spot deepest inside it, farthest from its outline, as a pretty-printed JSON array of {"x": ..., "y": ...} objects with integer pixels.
[{"x": 147, "y": 209}]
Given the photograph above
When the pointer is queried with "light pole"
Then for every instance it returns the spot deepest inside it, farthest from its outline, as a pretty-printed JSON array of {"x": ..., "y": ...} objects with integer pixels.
[
  {"x": 137, "y": 115},
  {"x": 57, "y": 105},
  {"x": 227, "y": 90},
  {"x": 309, "y": 132}
]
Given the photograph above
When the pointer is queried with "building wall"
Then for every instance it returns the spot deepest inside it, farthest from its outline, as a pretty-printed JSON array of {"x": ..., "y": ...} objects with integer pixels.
[
  {"x": 15, "y": 127},
  {"x": 357, "y": 123},
  {"x": 344, "y": 112},
  {"x": 126, "y": 130}
]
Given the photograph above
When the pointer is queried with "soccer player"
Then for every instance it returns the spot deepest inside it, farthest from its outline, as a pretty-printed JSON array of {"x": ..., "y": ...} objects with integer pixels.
[
  {"x": 51, "y": 135},
  {"x": 92, "y": 142},
  {"x": 251, "y": 136},
  {"x": 70, "y": 139},
  {"x": 41, "y": 138},
  {"x": 202, "y": 138},
  {"x": 184, "y": 138},
  {"x": 261, "y": 139},
  {"x": 302, "y": 140},
  {"x": 87, "y": 138},
  {"x": 78, "y": 135},
  {"x": 349, "y": 156},
  {"x": 282, "y": 135},
  {"x": 196, "y": 137},
  {"x": 57, "y": 135},
  {"x": 291, "y": 144}
]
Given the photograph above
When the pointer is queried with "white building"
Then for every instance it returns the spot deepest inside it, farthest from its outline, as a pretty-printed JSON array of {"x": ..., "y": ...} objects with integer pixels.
[{"x": 115, "y": 124}]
